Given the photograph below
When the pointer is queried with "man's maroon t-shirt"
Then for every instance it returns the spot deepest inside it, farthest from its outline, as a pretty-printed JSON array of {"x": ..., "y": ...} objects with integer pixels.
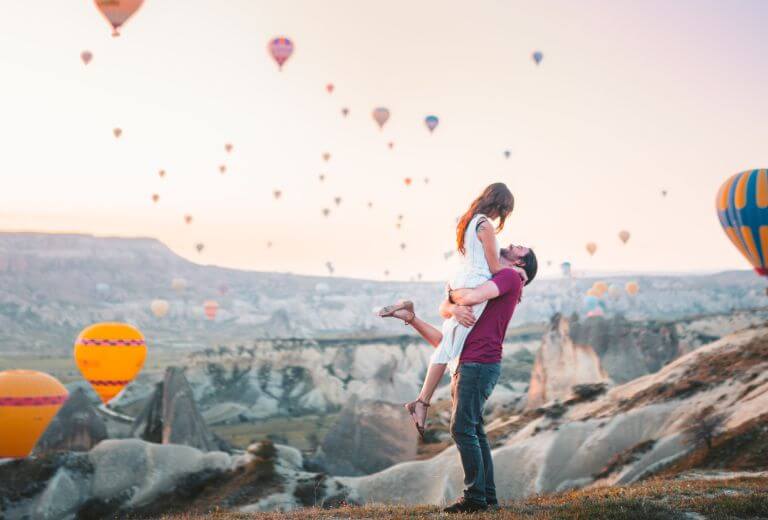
[{"x": 483, "y": 345}]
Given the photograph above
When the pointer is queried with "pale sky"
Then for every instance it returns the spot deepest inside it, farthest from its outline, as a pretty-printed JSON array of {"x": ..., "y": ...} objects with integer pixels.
[{"x": 632, "y": 97}]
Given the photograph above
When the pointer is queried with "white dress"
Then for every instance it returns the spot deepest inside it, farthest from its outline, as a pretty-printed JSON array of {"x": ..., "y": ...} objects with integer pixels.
[{"x": 473, "y": 271}]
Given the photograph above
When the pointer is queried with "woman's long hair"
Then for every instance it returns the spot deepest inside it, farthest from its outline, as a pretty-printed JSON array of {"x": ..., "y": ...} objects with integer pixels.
[{"x": 497, "y": 199}]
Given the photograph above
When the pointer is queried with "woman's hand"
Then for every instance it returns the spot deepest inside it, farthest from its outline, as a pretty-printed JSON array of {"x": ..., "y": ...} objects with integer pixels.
[{"x": 464, "y": 315}]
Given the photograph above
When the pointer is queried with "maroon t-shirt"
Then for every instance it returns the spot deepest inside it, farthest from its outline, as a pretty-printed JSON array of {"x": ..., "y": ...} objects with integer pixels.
[{"x": 483, "y": 345}]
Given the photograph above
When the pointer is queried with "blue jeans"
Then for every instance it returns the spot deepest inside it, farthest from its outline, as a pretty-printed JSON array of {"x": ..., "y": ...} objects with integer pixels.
[{"x": 470, "y": 388}]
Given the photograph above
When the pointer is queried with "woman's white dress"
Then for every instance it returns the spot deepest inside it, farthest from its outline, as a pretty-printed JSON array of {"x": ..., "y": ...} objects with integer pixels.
[{"x": 472, "y": 272}]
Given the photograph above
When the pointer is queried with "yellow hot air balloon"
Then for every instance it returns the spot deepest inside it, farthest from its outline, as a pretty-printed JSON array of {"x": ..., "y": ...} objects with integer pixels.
[
  {"x": 600, "y": 287},
  {"x": 632, "y": 288},
  {"x": 591, "y": 248},
  {"x": 28, "y": 402},
  {"x": 624, "y": 236},
  {"x": 159, "y": 308},
  {"x": 110, "y": 355}
]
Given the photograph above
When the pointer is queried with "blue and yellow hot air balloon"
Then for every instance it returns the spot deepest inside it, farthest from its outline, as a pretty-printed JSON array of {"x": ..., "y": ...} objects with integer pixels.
[{"x": 742, "y": 207}]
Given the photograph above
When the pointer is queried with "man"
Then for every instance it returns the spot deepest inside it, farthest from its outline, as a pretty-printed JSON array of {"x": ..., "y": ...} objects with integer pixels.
[{"x": 479, "y": 366}]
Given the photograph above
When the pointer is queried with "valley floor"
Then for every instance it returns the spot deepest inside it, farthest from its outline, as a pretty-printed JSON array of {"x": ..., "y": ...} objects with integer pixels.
[{"x": 719, "y": 497}]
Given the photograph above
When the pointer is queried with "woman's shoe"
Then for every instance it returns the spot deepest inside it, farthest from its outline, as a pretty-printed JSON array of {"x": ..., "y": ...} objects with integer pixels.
[
  {"x": 404, "y": 305},
  {"x": 411, "y": 407}
]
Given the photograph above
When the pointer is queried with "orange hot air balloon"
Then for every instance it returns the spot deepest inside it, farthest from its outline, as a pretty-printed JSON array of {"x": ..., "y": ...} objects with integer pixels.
[
  {"x": 161, "y": 173},
  {"x": 593, "y": 292},
  {"x": 326, "y": 156},
  {"x": 86, "y": 56},
  {"x": 600, "y": 287},
  {"x": 329, "y": 87},
  {"x": 632, "y": 288},
  {"x": 210, "y": 308},
  {"x": 117, "y": 12},
  {"x": 228, "y": 147},
  {"x": 591, "y": 248},
  {"x": 408, "y": 181},
  {"x": 624, "y": 236},
  {"x": 222, "y": 169},
  {"x": 117, "y": 132},
  {"x": 110, "y": 355},
  {"x": 155, "y": 197},
  {"x": 28, "y": 402}
]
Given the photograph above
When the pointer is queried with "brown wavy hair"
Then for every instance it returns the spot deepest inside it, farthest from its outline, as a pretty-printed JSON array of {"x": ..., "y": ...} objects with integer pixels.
[{"x": 496, "y": 198}]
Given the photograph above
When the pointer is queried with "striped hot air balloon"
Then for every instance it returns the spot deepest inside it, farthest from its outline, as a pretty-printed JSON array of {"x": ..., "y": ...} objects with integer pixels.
[
  {"x": 110, "y": 355},
  {"x": 742, "y": 207},
  {"x": 28, "y": 402},
  {"x": 281, "y": 49}
]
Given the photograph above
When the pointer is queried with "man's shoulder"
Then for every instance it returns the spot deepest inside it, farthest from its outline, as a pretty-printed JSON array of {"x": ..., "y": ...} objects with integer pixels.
[{"x": 507, "y": 280}]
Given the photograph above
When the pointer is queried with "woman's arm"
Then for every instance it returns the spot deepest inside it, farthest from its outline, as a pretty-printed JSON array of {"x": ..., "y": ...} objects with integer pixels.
[{"x": 487, "y": 236}]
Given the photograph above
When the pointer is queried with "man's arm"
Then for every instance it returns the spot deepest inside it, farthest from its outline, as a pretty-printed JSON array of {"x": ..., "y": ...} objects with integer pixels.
[
  {"x": 482, "y": 293},
  {"x": 463, "y": 314}
]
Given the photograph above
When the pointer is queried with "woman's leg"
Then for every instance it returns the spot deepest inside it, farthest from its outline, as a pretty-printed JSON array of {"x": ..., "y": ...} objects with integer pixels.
[{"x": 432, "y": 335}]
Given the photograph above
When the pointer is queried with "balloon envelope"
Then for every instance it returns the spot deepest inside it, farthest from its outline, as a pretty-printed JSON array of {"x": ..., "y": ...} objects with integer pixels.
[
  {"x": 86, "y": 56},
  {"x": 159, "y": 308},
  {"x": 742, "y": 207},
  {"x": 537, "y": 57},
  {"x": 624, "y": 236},
  {"x": 281, "y": 49},
  {"x": 632, "y": 288},
  {"x": 591, "y": 248},
  {"x": 381, "y": 116},
  {"x": 178, "y": 284},
  {"x": 110, "y": 355},
  {"x": 117, "y": 12},
  {"x": 28, "y": 402},
  {"x": 600, "y": 287},
  {"x": 431, "y": 122},
  {"x": 565, "y": 268},
  {"x": 211, "y": 308}
]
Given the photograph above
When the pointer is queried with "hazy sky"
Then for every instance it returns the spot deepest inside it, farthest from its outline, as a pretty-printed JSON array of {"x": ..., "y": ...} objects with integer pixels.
[{"x": 632, "y": 97}]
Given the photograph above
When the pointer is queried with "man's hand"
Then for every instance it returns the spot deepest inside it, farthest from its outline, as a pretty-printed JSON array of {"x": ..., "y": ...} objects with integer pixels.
[{"x": 464, "y": 315}]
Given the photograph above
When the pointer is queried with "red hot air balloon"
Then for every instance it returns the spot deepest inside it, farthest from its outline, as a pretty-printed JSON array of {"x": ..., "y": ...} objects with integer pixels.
[
  {"x": 86, "y": 56},
  {"x": 117, "y": 12},
  {"x": 117, "y": 132},
  {"x": 228, "y": 147},
  {"x": 281, "y": 49},
  {"x": 211, "y": 308},
  {"x": 381, "y": 116},
  {"x": 329, "y": 87},
  {"x": 408, "y": 181}
]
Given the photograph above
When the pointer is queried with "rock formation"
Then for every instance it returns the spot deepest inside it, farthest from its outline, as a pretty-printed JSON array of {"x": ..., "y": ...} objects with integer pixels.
[
  {"x": 171, "y": 416},
  {"x": 77, "y": 427},
  {"x": 368, "y": 436},
  {"x": 560, "y": 365}
]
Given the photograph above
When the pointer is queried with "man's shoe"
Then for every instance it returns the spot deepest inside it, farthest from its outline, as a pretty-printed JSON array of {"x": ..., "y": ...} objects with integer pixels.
[
  {"x": 465, "y": 506},
  {"x": 493, "y": 505}
]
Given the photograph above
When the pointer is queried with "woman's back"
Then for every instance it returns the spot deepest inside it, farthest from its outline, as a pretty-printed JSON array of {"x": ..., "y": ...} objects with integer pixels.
[{"x": 473, "y": 267}]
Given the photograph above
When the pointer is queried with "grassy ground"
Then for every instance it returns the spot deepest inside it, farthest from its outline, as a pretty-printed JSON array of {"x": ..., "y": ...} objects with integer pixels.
[{"x": 653, "y": 499}]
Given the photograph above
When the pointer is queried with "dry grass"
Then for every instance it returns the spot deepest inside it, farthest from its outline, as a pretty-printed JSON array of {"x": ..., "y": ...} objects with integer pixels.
[{"x": 653, "y": 499}]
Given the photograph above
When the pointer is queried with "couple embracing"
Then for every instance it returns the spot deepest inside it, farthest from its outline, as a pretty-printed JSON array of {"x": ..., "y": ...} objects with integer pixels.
[{"x": 480, "y": 301}]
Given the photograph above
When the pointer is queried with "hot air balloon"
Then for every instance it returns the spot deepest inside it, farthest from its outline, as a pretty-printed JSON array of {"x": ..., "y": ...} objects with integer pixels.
[
  {"x": 403, "y": 246},
  {"x": 178, "y": 284},
  {"x": 28, "y": 402},
  {"x": 663, "y": 193},
  {"x": 117, "y": 132},
  {"x": 86, "y": 56},
  {"x": 632, "y": 288},
  {"x": 426, "y": 180},
  {"x": 624, "y": 236},
  {"x": 326, "y": 156},
  {"x": 222, "y": 169},
  {"x": 321, "y": 177},
  {"x": 592, "y": 292},
  {"x": 199, "y": 246},
  {"x": 117, "y": 12},
  {"x": 600, "y": 287},
  {"x": 337, "y": 201},
  {"x": 391, "y": 145},
  {"x": 277, "y": 194},
  {"x": 565, "y": 268},
  {"x": 400, "y": 216},
  {"x": 161, "y": 173},
  {"x": 329, "y": 88},
  {"x": 159, "y": 308},
  {"x": 228, "y": 147},
  {"x": 381, "y": 116},
  {"x": 188, "y": 219},
  {"x": 370, "y": 204},
  {"x": 281, "y": 49},
  {"x": 742, "y": 207},
  {"x": 590, "y": 301},
  {"x": 398, "y": 225},
  {"x": 537, "y": 57},
  {"x": 155, "y": 197},
  {"x": 211, "y": 308},
  {"x": 269, "y": 244},
  {"x": 431, "y": 122},
  {"x": 386, "y": 272},
  {"x": 345, "y": 111},
  {"x": 507, "y": 153},
  {"x": 331, "y": 269},
  {"x": 591, "y": 248},
  {"x": 110, "y": 355},
  {"x": 407, "y": 181},
  {"x": 326, "y": 212}
]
